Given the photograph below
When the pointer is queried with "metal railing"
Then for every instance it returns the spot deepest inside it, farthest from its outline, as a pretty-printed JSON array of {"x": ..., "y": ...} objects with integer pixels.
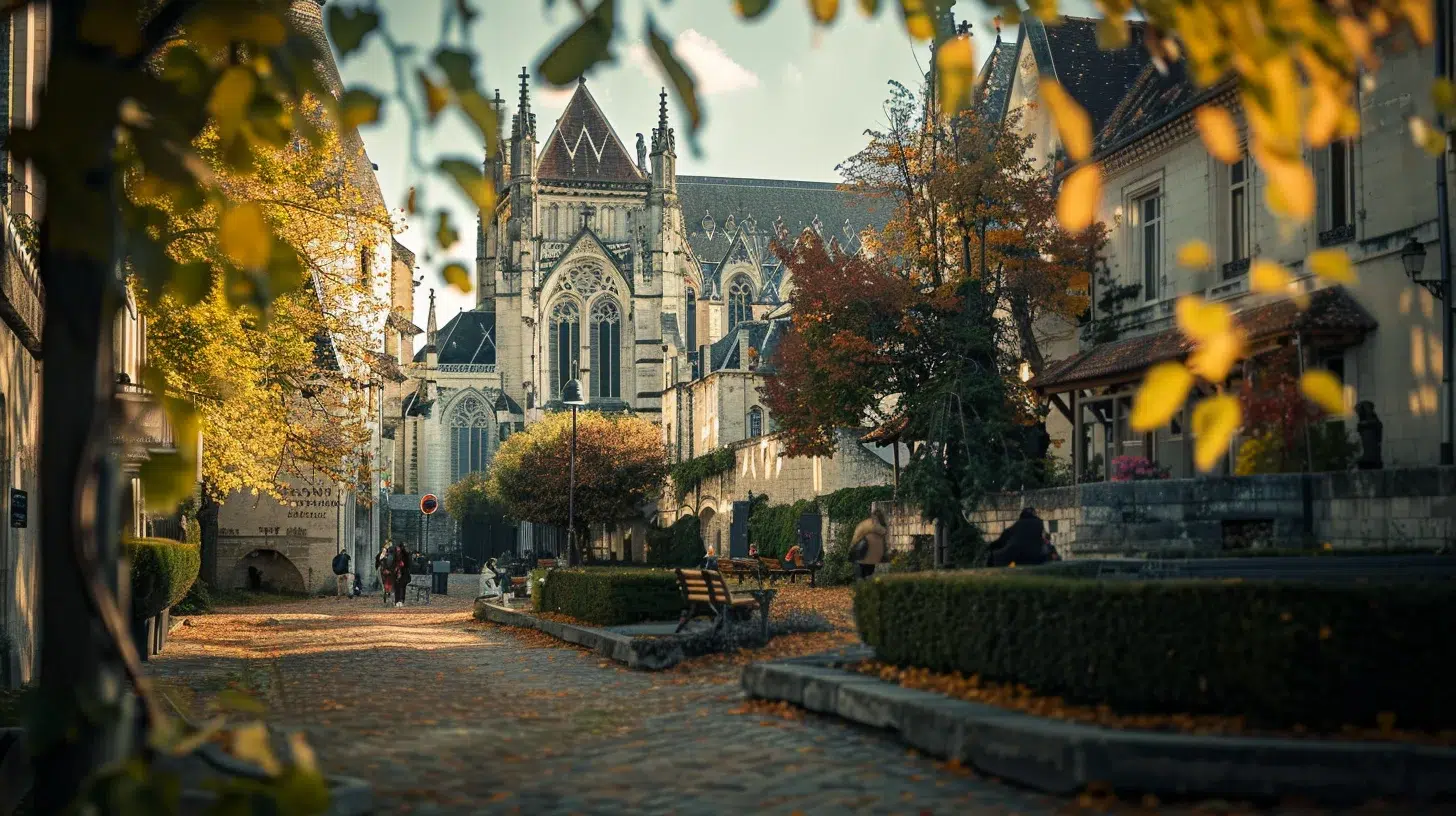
[
  {"x": 467, "y": 368},
  {"x": 145, "y": 424},
  {"x": 22, "y": 296}
]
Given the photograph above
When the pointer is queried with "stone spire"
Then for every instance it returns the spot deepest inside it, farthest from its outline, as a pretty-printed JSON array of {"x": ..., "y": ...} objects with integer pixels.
[
  {"x": 432, "y": 326},
  {"x": 662, "y": 135},
  {"x": 524, "y": 122}
]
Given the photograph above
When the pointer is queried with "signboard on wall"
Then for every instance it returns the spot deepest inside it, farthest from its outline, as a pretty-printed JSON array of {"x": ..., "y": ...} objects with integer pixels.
[{"x": 19, "y": 508}]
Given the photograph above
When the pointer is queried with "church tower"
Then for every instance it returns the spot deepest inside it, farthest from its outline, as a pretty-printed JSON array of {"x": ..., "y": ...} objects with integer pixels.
[{"x": 487, "y": 227}]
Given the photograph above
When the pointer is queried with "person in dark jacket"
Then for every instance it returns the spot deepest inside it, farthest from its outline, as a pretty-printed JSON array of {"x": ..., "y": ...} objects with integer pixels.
[
  {"x": 341, "y": 573},
  {"x": 1023, "y": 543},
  {"x": 399, "y": 569}
]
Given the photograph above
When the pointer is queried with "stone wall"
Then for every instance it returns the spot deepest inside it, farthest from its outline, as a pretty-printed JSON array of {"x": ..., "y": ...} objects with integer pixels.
[
  {"x": 1410, "y": 508},
  {"x": 305, "y": 528}
]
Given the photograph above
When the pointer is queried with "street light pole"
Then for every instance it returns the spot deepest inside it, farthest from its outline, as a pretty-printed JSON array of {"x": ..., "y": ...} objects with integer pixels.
[{"x": 571, "y": 395}]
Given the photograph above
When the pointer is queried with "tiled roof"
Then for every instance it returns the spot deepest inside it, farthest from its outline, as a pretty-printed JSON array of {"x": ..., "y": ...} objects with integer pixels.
[
  {"x": 762, "y": 335},
  {"x": 1095, "y": 78},
  {"x": 997, "y": 75},
  {"x": 716, "y": 211},
  {"x": 890, "y": 431},
  {"x": 402, "y": 253},
  {"x": 1154, "y": 99},
  {"x": 584, "y": 147},
  {"x": 468, "y": 339},
  {"x": 1332, "y": 311}
]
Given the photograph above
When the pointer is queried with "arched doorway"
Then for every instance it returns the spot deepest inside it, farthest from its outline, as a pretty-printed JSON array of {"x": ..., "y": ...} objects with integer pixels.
[
  {"x": 266, "y": 571},
  {"x": 708, "y": 530}
]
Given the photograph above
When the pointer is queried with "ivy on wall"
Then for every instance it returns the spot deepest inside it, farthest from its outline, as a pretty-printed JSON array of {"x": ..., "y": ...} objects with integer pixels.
[{"x": 686, "y": 476}]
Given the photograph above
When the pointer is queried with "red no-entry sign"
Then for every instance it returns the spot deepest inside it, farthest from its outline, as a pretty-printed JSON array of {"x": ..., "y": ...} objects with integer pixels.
[{"x": 429, "y": 504}]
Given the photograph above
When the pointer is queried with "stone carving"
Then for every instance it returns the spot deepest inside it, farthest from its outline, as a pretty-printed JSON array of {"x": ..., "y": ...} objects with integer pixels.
[
  {"x": 641, "y": 153},
  {"x": 587, "y": 279},
  {"x": 1371, "y": 433}
]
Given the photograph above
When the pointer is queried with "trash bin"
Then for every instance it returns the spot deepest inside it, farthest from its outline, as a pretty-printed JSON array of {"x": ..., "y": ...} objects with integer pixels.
[{"x": 441, "y": 584}]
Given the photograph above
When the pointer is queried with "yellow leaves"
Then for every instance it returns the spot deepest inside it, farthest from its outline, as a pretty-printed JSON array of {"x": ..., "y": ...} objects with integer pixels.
[
  {"x": 1290, "y": 192},
  {"x": 1273, "y": 279},
  {"x": 471, "y": 181},
  {"x": 1161, "y": 395},
  {"x": 1220, "y": 134},
  {"x": 230, "y": 99},
  {"x": 1215, "y": 420},
  {"x": 1443, "y": 96},
  {"x": 748, "y": 9},
  {"x": 1195, "y": 255},
  {"x": 824, "y": 10},
  {"x": 445, "y": 233},
  {"x": 1217, "y": 343},
  {"x": 250, "y": 744},
  {"x": 1418, "y": 14},
  {"x": 1078, "y": 198},
  {"x": 1073, "y": 123},
  {"x": 243, "y": 235},
  {"x": 358, "y": 107},
  {"x": 955, "y": 64},
  {"x": 456, "y": 275},
  {"x": 1427, "y": 137},
  {"x": 436, "y": 96},
  {"x": 112, "y": 23},
  {"x": 1112, "y": 33},
  {"x": 1333, "y": 265},
  {"x": 1325, "y": 390},
  {"x": 918, "y": 22}
]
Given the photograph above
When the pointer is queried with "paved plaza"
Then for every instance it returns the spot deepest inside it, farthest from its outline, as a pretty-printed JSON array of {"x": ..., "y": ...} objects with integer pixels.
[{"x": 443, "y": 715}]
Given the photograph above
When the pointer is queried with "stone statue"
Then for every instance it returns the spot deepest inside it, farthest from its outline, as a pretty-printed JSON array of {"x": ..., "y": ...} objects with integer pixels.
[
  {"x": 641, "y": 153},
  {"x": 1370, "y": 430}
]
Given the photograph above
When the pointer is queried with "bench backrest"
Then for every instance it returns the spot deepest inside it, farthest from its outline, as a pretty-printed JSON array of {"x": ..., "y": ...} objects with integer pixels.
[
  {"x": 770, "y": 562},
  {"x": 546, "y": 563},
  {"x": 703, "y": 586}
]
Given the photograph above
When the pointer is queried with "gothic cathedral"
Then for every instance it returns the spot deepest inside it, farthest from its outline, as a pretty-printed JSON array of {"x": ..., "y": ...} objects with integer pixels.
[{"x": 604, "y": 266}]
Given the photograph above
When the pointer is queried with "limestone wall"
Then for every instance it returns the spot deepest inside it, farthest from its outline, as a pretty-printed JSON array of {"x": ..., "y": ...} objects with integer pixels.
[
  {"x": 19, "y": 547},
  {"x": 1391, "y": 509},
  {"x": 305, "y": 528}
]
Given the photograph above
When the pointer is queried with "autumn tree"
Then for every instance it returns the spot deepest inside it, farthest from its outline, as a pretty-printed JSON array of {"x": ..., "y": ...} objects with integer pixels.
[
  {"x": 469, "y": 498},
  {"x": 278, "y": 396},
  {"x": 621, "y": 465}
]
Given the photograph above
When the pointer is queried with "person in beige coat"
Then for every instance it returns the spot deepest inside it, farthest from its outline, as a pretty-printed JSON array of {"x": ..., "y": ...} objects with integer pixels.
[{"x": 869, "y": 545}]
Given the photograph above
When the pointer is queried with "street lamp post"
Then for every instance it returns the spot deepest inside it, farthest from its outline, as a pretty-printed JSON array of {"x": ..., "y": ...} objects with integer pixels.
[
  {"x": 571, "y": 395},
  {"x": 1413, "y": 258}
]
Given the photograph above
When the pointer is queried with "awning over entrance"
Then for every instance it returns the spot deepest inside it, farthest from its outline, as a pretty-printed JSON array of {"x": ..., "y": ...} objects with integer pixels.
[{"x": 1333, "y": 315}]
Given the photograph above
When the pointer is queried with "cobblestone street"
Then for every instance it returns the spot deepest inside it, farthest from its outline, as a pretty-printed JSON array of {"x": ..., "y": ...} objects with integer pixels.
[{"x": 445, "y": 715}]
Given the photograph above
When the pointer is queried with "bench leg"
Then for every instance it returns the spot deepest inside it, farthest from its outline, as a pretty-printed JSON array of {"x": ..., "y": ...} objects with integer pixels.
[{"x": 682, "y": 621}]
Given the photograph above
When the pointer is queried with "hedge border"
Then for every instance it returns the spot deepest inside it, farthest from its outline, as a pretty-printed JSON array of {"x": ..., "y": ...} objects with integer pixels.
[
  {"x": 1279, "y": 653},
  {"x": 162, "y": 571},
  {"x": 608, "y": 596}
]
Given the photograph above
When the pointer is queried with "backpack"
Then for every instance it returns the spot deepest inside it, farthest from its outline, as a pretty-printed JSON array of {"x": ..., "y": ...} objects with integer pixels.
[{"x": 341, "y": 564}]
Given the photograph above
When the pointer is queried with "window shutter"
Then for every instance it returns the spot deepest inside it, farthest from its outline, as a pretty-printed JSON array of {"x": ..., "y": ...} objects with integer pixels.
[{"x": 1322, "y": 189}]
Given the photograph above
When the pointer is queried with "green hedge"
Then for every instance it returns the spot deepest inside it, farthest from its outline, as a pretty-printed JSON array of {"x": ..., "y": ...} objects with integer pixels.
[
  {"x": 775, "y": 527},
  {"x": 680, "y": 545},
  {"x": 1281, "y": 654},
  {"x": 851, "y": 505},
  {"x": 687, "y": 475},
  {"x": 608, "y": 597},
  {"x": 162, "y": 570}
]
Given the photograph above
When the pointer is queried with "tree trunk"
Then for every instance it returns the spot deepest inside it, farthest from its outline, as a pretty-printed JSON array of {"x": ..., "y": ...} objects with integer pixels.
[
  {"x": 1026, "y": 333},
  {"x": 207, "y": 513},
  {"x": 81, "y": 674}
]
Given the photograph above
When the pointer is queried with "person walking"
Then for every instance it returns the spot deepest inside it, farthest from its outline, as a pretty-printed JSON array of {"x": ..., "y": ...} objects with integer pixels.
[
  {"x": 869, "y": 544},
  {"x": 399, "y": 569},
  {"x": 1025, "y": 542},
  {"x": 341, "y": 573}
]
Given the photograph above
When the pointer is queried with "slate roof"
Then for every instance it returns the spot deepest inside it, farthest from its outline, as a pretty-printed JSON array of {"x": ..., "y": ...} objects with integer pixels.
[
  {"x": 717, "y": 211},
  {"x": 584, "y": 147},
  {"x": 468, "y": 339},
  {"x": 997, "y": 74},
  {"x": 762, "y": 335},
  {"x": 1154, "y": 100},
  {"x": 1332, "y": 312},
  {"x": 1095, "y": 78}
]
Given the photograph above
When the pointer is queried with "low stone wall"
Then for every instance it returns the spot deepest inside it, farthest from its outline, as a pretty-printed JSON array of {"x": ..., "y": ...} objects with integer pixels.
[
  {"x": 1412, "y": 508},
  {"x": 905, "y": 524}
]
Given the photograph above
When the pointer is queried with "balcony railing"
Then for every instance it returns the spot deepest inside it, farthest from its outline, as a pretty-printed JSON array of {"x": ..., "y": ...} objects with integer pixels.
[
  {"x": 22, "y": 297},
  {"x": 145, "y": 428},
  {"x": 467, "y": 368}
]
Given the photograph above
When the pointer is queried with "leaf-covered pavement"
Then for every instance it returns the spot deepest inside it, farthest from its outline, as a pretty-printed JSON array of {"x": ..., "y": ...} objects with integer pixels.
[{"x": 443, "y": 715}]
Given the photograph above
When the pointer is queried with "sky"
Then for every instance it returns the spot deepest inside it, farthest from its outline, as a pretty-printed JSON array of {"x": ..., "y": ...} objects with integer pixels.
[{"x": 783, "y": 97}]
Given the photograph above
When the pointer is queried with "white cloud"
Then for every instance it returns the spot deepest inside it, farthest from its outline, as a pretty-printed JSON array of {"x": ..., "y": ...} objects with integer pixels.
[{"x": 715, "y": 71}]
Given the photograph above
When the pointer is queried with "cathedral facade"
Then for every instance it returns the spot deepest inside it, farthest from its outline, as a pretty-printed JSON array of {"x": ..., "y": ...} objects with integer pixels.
[{"x": 601, "y": 265}]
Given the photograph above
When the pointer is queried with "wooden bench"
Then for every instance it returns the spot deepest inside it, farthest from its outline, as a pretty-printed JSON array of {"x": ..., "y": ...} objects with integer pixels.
[
  {"x": 706, "y": 592},
  {"x": 737, "y": 568},
  {"x": 774, "y": 568}
]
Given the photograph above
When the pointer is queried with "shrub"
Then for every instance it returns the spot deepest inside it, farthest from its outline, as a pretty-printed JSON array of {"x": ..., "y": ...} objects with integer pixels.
[
  {"x": 1136, "y": 469},
  {"x": 680, "y": 545},
  {"x": 197, "y": 601},
  {"x": 919, "y": 558},
  {"x": 609, "y": 597},
  {"x": 1320, "y": 655},
  {"x": 775, "y": 527},
  {"x": 162, "y": 570}
]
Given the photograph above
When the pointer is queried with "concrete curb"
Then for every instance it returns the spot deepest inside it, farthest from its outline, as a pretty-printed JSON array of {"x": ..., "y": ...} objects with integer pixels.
[
  {"x": 647, "y": 654},
  {"x": 1064, "y": 757}
]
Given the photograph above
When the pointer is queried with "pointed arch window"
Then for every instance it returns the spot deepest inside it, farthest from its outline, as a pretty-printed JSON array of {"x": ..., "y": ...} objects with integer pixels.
[
  {"x": 755, "y": 422},
  {"x": 606, "y": 350},
  {"x": 740, "y": 296},
  {"x": 691, "y": 322},
  {"x": 470, "y": 422},
  {"x": 564, "y": 336}
]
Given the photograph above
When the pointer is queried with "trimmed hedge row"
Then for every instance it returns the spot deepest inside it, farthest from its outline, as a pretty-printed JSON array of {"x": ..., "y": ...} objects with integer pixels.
[
  {"x": 608, "y": 596},
  {"x": 1281, "y": 654},
  {"x": 162, "y": 570}
]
